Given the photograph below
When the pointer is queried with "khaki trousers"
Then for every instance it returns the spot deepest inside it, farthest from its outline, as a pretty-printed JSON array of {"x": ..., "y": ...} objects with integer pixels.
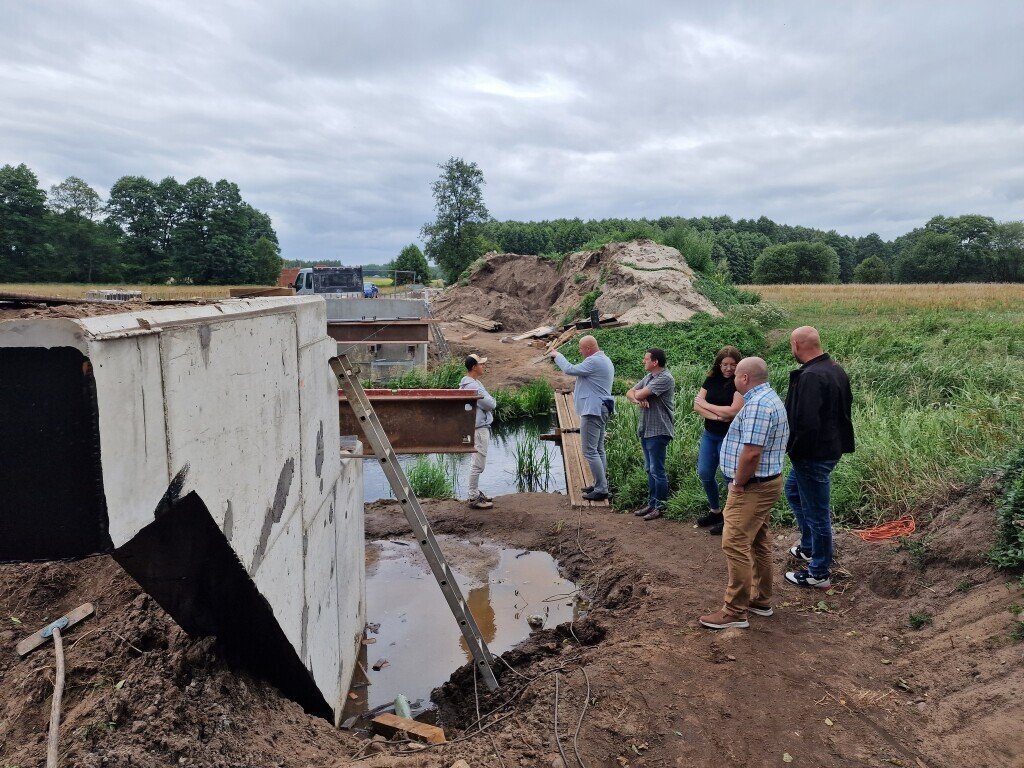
[{"x": 748, "y": 551}]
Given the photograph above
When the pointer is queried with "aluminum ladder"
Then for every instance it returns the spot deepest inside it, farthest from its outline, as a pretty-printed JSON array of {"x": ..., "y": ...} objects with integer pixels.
[{"x": 378, "y": 440}]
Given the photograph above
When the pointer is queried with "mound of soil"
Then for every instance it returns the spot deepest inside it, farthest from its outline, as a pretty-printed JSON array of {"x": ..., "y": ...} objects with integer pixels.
[
  {"x": 837, "y": 679},
  {"x": 639, "y": 282}
]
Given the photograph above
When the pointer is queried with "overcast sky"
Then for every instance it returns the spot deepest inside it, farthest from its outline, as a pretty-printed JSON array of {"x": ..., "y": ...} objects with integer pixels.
[{"x": 850, "y": 116}]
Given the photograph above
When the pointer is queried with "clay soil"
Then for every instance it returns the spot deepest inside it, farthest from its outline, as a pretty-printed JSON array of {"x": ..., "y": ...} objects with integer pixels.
[{"x": 833, "y": 679}]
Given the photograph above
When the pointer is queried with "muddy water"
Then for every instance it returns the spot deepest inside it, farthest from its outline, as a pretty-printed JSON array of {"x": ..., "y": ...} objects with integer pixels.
[
  {"x": 499, "y": 477},
  {"x": 418, "y": 636}
]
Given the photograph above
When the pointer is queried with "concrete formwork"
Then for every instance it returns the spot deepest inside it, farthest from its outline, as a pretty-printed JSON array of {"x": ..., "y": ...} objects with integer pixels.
[
  {"x": 164, "y": 418},
  {"x": 378, "y": 335}
]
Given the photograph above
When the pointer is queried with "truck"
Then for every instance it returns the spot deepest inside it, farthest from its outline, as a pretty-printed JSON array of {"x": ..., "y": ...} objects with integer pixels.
[{"x": 337, "y": 281}]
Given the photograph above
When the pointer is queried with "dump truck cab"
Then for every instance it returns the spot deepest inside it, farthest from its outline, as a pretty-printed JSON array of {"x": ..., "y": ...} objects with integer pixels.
[{"x": 343, "y": 281}]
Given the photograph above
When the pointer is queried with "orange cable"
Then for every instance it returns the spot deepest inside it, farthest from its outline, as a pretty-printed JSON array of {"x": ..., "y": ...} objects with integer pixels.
[{"x": 891, "y": 530}]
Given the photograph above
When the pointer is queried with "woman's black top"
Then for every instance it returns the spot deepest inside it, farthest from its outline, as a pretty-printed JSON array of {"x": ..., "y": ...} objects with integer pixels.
[{"x": 721, "y": 391}]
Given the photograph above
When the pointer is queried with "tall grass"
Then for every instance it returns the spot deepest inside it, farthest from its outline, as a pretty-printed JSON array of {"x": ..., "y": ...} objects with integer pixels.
[
  {"x": 533, "y": 465},
  {"x": 432, "y": 478},
  {"x": 938, "y": 399}
]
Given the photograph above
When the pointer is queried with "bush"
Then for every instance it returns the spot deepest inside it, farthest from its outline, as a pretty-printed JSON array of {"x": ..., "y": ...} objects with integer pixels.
[
  {"x": 432, "y": 478},
  {"x": 723, "y": 294},
  {"x": 693, "y": 245},
  {"x": 534, "y": 399},
  {"x": 1009, "y": 550},
  {"x": 872, "y": 270},
  {"x": 583, "y": 310},
  {"x": 800, "y": 262},
  {"x": 765, "y": 315}
]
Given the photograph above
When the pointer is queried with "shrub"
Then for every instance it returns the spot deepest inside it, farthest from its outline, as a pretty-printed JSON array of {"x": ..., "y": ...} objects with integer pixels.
[
  {"x": 432, "y": 478},
  {"x": 920, "y": 620},
  {"x": 872, "y": 270},
  {"x": 1009, "y": 549},
  {"x": 765, "y": 315},
  {"x": 799, "y": 262}
]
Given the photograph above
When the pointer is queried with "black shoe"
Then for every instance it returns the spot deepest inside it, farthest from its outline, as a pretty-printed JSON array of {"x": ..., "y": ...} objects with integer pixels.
[
  {"x": 716, "y": 529},
  {"x": 587, "y": 489},
  {"x": 644, "y": 511},
  {"x": 798, "y": 551},
  {"x": 654, "y": 514},
  {"x": 711, "y": 518},
  {"x": 595, "y": 496}
]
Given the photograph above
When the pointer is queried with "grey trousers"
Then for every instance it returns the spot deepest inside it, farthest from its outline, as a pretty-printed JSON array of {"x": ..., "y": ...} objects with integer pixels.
[
  {"x": 592, "y": 437},
  {"x": 482, "y": 441}
]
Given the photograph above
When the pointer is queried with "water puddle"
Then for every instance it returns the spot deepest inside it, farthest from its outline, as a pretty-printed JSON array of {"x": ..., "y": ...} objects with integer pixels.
[
  {"x": 500, "y": 476},
  {"x": 417, "y": 636}
]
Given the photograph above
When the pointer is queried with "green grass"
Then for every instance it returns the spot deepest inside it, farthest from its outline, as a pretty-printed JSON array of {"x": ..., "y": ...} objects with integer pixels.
[
  {"x": 432, "y": 478},
  {"x": 1009, "y": 549},
  {"x": 533, "y": 399},
  {"x": 938, "y": 388},
  {"x": 919, "y": 620}
]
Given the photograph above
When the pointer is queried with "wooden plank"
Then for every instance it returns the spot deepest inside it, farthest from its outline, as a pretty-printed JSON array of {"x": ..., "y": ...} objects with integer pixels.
[
  {"x": 33, "y": 641},
  {"x": 530, "y": 334},
  {"x": 390, "y": 725},
  {"x": 577, "y": 470},
  {"x": 573, "y": 471}
]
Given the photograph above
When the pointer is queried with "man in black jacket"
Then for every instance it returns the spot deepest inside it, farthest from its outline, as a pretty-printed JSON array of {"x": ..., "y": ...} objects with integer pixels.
[{"x": 820, "y": 431}]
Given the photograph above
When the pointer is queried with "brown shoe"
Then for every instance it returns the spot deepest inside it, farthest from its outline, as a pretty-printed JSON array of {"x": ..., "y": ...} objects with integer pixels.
[
  {"x": 480, "y": 502},
  {"x": 723, "y": 620}
]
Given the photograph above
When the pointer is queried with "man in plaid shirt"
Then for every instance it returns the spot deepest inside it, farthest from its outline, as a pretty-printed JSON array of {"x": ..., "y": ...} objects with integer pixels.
[{"x": 751, "y": 460}]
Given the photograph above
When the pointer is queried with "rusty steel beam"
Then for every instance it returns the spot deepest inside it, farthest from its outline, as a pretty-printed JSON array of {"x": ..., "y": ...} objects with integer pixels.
[
  {"x": 379, "y": 331},
  {"x": 418, "y": 420}
]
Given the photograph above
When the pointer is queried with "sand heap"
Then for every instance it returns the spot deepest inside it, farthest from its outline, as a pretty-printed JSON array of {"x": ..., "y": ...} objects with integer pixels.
[{"x": 640, "y": 282}]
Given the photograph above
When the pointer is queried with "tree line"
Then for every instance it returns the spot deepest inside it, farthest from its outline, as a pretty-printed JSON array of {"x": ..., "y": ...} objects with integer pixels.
[
  {"x": 968, "y": 248},
  {"x": 199, "y": 232}
]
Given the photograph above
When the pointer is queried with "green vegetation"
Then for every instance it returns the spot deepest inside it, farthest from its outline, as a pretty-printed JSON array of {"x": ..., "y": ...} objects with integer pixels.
[
  {"x": 410, "y": 266},
  {"x": 584, "y": 308},
  {"x": 872, "y": 270},
  {"x": 800, "y": 262},
  {"x": 533, "y": 399},
  {"x": 1017, "y": 633},
  {"x": 199, "y": 232},
  {"x": 920, "y": 620},
  {"x": 536, "y": 398},
  {"x": 938, "y": 383},
  {"x": 954, "y": 249},
  {"x": 455, "y": 237},
  {"x": 432, "y": 478},
  {"x": 533, "y": 465},
  {"x": 1009, "y": 549}
]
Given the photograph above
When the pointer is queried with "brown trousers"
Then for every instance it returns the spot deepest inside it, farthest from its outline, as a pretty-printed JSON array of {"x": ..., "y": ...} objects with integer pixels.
[{"x": 748, "y": 551}]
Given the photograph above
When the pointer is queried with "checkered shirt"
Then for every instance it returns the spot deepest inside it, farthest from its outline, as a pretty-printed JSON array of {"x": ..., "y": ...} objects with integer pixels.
[{"x": 762, "y": 421}]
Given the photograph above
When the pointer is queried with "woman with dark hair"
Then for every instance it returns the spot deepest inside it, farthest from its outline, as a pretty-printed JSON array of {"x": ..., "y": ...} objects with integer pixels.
[{"x": 718, "y": 402}]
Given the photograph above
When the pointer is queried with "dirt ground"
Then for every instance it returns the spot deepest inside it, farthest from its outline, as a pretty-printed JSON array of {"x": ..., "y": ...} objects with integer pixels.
[
  {"x": 833, "y": 679},
  {"x": 509, "y": 363}
]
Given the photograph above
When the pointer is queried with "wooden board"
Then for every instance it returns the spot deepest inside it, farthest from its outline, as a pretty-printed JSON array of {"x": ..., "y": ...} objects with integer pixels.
[
  {"x": 482, "y": 322},
  {"x": 536, "y": 333},
  {"x": 389, "y": 725},
  {"x": 577, "y": 470},
  {"x": 32, "y": 642}
]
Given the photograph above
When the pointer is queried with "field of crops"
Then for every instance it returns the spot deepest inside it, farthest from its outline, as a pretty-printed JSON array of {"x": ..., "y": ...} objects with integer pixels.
[{"x": 937, "y": 371}]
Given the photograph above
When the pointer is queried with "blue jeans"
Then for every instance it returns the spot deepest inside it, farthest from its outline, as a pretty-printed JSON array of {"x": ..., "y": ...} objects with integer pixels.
[
  {"x": 707, "y": 466},
  {"x": 654, "y": 464},
  {"x": 808, "y": 491}
]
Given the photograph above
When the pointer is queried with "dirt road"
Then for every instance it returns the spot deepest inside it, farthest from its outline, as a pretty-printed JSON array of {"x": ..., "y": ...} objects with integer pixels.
[{"x": 831, "y": 680}]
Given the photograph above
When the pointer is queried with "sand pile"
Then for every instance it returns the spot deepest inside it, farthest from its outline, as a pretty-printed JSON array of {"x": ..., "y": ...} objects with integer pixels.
[{"x": 639, "y": 282}]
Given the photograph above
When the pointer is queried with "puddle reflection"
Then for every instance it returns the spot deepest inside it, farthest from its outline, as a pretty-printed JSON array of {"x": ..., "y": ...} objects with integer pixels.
[{"x": 418, "y": 637}]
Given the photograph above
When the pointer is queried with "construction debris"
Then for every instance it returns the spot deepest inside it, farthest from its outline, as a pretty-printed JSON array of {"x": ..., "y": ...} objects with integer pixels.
[
  {"x": 482, "y": 323},
  {"x": 389, "y": 725}
]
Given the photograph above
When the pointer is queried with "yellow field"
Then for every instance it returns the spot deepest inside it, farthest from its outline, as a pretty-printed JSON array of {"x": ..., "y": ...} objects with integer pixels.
[
  {"x": 78, "y": 290},
  {"x": 380, "y": 282},
  {"x": 883, "y": 298}
]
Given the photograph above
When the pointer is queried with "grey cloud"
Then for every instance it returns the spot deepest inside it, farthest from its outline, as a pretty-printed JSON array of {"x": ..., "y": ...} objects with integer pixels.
[{"x": 862, "y": 117}]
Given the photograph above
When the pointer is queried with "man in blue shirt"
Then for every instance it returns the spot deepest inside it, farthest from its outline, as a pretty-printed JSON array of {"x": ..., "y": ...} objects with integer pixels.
[
  {"x": 594, "y": 404},
  {"x": 751, "y": 460}
]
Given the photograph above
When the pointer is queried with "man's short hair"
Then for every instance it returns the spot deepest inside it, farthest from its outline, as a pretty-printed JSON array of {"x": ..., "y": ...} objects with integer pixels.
[
  {"x": 473, "y": 360},
  {"x": 658, "y": 355}
]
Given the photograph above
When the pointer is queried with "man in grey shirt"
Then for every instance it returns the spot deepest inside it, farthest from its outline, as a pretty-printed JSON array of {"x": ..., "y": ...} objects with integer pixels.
[
  {"x": 594, "y": 404},
  {"x": 482, "y": 438},
  {"x": 654, "y": 393}
]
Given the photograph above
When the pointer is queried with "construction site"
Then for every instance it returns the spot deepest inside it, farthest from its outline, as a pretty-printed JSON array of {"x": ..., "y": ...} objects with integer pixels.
[{"x": 193, "y": 571}]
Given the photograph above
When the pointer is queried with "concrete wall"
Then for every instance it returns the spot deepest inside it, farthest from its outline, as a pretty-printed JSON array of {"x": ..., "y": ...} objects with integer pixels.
[
  {"x": 236, "y": 403},
  {"x": 375, "y": 309}
]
